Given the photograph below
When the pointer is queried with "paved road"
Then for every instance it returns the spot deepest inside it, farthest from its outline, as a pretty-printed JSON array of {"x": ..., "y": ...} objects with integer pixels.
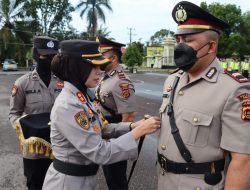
[{"x": 148, "y": 98}]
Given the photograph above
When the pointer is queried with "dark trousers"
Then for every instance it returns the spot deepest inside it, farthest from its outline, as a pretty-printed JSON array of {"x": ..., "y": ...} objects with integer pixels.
[
  {"x": 35, "y": 171},
  {"x": 245, "y": 73},
  {"x": 116, "y": 176}
]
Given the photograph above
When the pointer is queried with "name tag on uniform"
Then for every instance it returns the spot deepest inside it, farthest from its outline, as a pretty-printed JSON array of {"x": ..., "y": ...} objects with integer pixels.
[{"x": 32, "y": 91}]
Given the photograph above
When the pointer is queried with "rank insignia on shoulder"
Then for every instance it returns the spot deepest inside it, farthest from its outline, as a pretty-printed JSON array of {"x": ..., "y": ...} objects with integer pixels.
[
  {"x": 13, "y": 90},
  {"x": 60, "y": 84},
  {"x": 82, "y": 120},
  {"x": 236, "y": 76},
  {"x": 81, "y": 97},
  {"x": 177, "y": 70},
  {"x": 125, "y": 90},
  {"x": 212, "y": 71},
  {"x": 112, "y": 73},
  {"x": 121, "y": 75}
]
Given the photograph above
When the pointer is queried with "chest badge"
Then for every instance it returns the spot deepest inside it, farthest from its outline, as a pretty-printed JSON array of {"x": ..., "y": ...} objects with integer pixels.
[
  {"x": 97, "y": 129},
  {"x": 169, "y": 88}
]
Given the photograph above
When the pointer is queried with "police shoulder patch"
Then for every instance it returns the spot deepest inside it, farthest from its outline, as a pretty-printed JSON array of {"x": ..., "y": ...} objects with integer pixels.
[
  {"x": 13, "y": 90},
  {"x": 125, "y": 90},
  {"x": 244, "y": 98},
  {"x": 245, "y": 116},
  {"x": 81, "y": 97},
  {"x": 236, "y": 76},
  {"x": 82, "y": 120}
]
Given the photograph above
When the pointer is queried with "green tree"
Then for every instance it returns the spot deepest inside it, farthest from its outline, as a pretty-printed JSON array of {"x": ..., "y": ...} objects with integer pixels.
[
  {"x": 231, "y": 40},
  {"x": 132, "y": 56},
  {"x": 246, "y": 33},
  {"x": 93, "y": 9},
  {"x": 49, "y": 16},
  {"x": 159, "y": 37},
  {"x": 14, "y": 38}
]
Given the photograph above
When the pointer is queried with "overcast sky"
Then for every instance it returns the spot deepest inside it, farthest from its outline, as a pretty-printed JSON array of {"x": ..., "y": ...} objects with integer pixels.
[{"x": 145, "y": 17}]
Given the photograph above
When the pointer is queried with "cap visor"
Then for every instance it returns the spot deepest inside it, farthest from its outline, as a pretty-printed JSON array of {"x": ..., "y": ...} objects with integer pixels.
[
  {"x": 47, "y": 51},
  {"x": 98, "y": 60}
]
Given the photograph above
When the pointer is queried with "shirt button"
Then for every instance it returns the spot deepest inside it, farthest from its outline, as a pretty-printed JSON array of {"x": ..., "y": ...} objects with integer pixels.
[
  {"x": 198, "y": 188},
  {"x": 163, "y": 147},
  {"x": 181, "y": 93},
  {"x": 102, "y": 82},
  {"x": 195, "y": 119}
]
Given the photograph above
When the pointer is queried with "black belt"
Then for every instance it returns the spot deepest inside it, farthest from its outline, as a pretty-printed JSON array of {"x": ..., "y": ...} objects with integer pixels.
[
  {"x": 114, "y": 119},
  {"x": 75, "y": 169},
  {"x": 190, "y": 168}
]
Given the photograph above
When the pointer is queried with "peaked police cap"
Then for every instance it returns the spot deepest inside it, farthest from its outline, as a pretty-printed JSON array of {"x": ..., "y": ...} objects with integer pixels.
[
  {"x": 107, "y": 45},
  {"x": 45, "y": 45},
  {"x": 193, "y": 19},
  {"x": 88, "y": 50}
]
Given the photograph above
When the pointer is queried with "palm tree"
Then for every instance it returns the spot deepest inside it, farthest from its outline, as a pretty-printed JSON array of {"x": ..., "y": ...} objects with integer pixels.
[
  {"x": 94, "y": 11},
  {"x": 11, "y": 13}
]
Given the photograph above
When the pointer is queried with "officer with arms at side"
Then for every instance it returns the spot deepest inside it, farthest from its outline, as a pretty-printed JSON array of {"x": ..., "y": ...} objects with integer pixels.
[
  {"x": 78, "y": 127},
  {"x": 205, "y": 112},
  {"x": 116, "y": 94},
  {"x": 34, "y": 93}
]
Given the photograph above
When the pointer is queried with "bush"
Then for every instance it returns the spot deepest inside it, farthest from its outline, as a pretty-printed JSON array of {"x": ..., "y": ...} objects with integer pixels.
[{"x": 132, "y": 56}]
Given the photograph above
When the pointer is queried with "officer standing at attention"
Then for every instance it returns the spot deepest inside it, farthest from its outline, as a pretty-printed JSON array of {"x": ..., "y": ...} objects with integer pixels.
[
  {"x": 205, "y": 112},
  {"x": 116, "y": 95},
  {"x": 78, "y": 127},
  {"x": 35, "y": 93},
  {"x": 245, "y": 68}
]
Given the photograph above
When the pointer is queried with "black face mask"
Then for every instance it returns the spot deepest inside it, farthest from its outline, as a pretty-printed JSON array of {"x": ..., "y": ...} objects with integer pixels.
[
  {"x": 44, "y": 64},
  {"x": 103, "y": 67},
  {"x": 185, "y": 56}
]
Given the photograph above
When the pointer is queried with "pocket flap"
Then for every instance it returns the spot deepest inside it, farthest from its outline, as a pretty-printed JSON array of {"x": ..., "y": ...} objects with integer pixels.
[{"x": 197, "y": 118}]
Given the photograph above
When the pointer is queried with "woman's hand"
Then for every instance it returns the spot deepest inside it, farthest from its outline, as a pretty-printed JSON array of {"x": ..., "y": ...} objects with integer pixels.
[{"x": 143, "y": 127}]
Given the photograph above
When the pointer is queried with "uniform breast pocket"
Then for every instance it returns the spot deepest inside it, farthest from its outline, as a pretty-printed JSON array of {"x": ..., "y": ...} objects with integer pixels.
[
  {"x": 33, "y": 98},
  {"x": 196, "y": 128}
]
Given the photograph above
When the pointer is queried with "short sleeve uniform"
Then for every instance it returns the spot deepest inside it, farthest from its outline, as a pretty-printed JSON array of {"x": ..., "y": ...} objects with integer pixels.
[
  {"x": 76, "y": 137},
  {"x": 117, "y": 92},
  {"x": 31, "y": 96},
  {"x": 212, "y": 115}
]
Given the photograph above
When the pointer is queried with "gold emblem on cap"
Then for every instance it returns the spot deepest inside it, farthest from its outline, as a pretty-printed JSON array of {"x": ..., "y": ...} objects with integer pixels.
[{"x": 180, "y": 14}]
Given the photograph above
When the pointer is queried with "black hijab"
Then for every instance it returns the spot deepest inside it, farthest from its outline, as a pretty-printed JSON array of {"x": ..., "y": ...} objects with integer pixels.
[{"x": 74, "y": 70}]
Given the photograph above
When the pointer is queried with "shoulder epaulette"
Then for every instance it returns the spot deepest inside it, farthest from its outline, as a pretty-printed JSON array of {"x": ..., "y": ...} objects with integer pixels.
[
  {"x": 121, "y": 74},
  {"x": 236, "y": 76},
  {"x": 112, "y": 73},
  {"x": 177, "y": 70}
]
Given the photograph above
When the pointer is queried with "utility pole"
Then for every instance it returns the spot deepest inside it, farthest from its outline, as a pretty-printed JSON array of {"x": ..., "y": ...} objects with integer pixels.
[{"x": 130, "y": 34}]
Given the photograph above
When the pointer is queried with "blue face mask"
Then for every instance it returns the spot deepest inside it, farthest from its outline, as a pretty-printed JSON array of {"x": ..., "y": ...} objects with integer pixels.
[{"x": 185, "y": 56}]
